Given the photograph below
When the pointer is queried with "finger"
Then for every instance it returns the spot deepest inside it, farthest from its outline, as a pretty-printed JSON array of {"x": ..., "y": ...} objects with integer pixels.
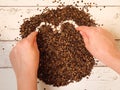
[
  {"x": 88, "y": 29},
  {"x": 35, "y": 45},
  {"x": 32, "y": 37},
  {"x": 82, "y": 28},
  {"x": 85, "y": 38}
]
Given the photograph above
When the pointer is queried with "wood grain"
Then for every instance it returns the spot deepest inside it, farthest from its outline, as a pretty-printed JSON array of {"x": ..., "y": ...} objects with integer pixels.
[
  {"x": 99, "y": 79},
  {"x": 12, "y": 13},
  {"x": 5, "y": 48},
  {"x": 12, "y": 18},
  {"x": 49, "y": 2}
]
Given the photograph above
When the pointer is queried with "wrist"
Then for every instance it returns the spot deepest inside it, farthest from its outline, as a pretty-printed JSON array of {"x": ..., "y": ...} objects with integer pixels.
[
  {"x": 27, "y": 81},
  {"x": 113, "y": 61},
  {"x": 115, "y": 55},
  {"x": 25, "y": 71},
  {"x": 26, "y": 74}
]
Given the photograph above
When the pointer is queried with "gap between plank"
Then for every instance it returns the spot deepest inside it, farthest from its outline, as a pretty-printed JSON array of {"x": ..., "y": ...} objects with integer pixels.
[
  {"x": 11, "y": 67},
  {"x": 117, "y": 40},
  {"x": 16, "y": 40}
]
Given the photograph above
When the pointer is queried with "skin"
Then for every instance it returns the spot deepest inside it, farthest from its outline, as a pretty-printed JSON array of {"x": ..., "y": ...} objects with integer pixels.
[
  {"x": 24, "y": 56},
  {"x": 100, "y": 44},
  {"x": 25, "y": 59}
]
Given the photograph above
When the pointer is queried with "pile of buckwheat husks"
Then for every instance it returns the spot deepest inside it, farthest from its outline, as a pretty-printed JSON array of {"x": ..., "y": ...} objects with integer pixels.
[{"x": 63, "y": 56}]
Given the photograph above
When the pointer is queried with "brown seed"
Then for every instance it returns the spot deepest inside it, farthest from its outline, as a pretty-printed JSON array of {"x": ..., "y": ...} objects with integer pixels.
[
  {"x": 3, "y": 48},
  {"x": 77, "y": 1},
  {"x": 37, "y": 8},
  {"x": 104, "y": 6},
  {"x": 12, "y": 45},
  {"x": 101, "y": 24},
  {"x": 5, "y": 26},
  {"x": 63, "y": 56},
  {"x": 82, "y": 1}
]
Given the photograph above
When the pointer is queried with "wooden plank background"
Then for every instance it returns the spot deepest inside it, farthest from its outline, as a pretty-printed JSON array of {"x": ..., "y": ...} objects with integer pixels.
[{"x": 12, "y": 13}]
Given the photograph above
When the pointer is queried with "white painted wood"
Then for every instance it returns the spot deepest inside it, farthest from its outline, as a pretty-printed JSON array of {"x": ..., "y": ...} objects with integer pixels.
[
  {"x": 99, "y": 2},
  {"x": 115, "y": 85},
  {"x": 7, "y": 79},
  {"x": 5, "y": 48},
  {"x": 102, "y": 77},
  {"x": 49, "y": 2},
  {"x": 109, "y": 17},
  {"x": 99, "y": 79},
  {"x": 30, "y": 3},
  {"x": 11, "y": 19}
]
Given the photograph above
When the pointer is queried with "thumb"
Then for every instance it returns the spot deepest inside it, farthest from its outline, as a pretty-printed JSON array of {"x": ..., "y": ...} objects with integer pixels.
[{"x": 32, "y": 37}]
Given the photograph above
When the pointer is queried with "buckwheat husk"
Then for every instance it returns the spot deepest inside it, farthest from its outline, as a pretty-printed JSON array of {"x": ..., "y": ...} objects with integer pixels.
[{"x": 63, "y": 56}]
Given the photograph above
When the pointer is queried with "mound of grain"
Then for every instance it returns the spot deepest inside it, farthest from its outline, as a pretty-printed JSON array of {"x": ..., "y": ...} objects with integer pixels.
[{"x": 63, "y": 56}]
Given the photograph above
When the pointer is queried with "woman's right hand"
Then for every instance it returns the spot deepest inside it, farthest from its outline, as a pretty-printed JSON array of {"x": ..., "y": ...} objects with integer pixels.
[{"x": 101, "y": 44}]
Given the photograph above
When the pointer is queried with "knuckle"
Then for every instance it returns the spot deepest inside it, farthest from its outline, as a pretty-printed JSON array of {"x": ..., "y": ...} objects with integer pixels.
[
  {"x": 18, "y": 44},
  {"x": 21, "y": 45},
  {"x": 23, "y": 42},
  {"x": 26, "y": 41}
]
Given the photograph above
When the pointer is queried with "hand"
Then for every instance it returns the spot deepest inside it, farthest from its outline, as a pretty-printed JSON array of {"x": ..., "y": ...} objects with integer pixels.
[
  {"x": 24, "y": 58},
  {"x": 98, "y": 41},
  {"x": 101, "y": 45}
]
